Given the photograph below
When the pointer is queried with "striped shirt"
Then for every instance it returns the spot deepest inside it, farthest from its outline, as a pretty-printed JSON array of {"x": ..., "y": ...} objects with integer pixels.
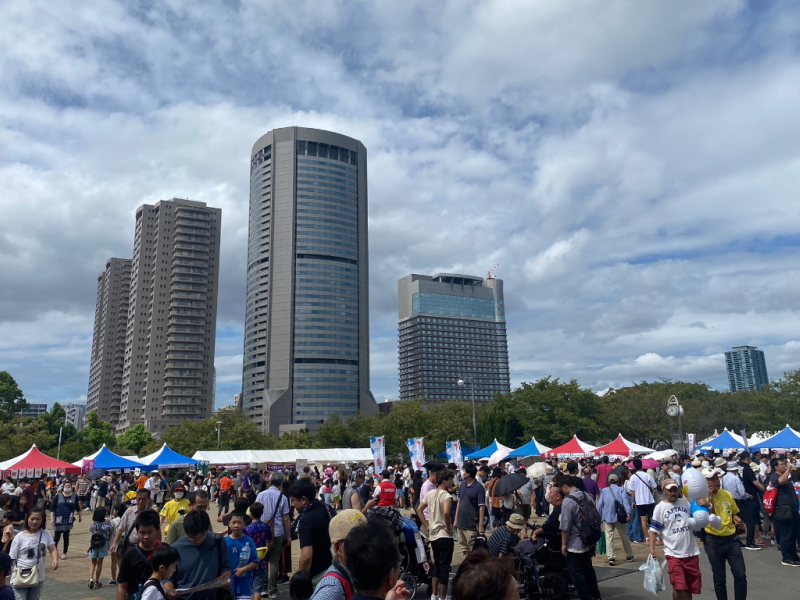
[{"x": 501, "y": 542}]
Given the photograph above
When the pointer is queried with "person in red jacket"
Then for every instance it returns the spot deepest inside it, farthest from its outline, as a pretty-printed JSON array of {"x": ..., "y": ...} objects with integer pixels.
[{"x": 385, "y": 493}]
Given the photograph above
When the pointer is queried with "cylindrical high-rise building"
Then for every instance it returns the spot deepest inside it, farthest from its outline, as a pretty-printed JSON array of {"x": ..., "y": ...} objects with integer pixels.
[{"x": 306, "y": 344}]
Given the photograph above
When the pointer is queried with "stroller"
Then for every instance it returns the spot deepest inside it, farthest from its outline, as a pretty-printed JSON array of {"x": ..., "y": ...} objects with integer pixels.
[
  {"x": 542, "y": 572},
  {"x": 413, "y": 551}
]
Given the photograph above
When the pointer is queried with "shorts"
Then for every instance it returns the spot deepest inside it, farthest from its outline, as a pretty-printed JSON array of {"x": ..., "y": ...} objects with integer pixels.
[
  {"x": 646, "y": 510},
  {"x": 259, "y": 577},
  {"x": 524, "y": 510},
  {"x": 101, "y": 552},
  {"x": 684, "y": 573}
]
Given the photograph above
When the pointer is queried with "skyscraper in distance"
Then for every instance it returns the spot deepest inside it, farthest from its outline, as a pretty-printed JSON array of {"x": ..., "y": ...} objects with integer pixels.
[
  {"x": 306, "y": 346},
  {"x": 108, "y": 341},
  {"x": 451, "y": 327},
  {"x": 168, "y": 367},
  {"x": 747, "y": 369}
]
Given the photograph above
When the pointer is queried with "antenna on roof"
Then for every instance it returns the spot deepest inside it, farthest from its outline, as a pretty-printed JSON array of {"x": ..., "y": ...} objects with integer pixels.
[{"x": 490, "y": 272}]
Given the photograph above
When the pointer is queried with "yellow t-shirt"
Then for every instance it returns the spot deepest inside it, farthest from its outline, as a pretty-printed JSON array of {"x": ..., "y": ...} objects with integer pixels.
[
  {"x": 724, "y": 506},
  {"x": 171, "y": 508}
]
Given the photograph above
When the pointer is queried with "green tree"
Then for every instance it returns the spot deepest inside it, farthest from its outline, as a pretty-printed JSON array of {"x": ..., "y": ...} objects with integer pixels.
[
  {"x": 237, "y": 432},
  {"x": 135, "y": 438},
  {"x": 12, "y": 400},
  {"x": 335, "y": 433}
]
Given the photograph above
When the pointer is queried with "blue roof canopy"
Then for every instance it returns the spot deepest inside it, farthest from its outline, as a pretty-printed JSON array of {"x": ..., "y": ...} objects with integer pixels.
[
  {"x": 109, "y": 461},
  {"x": 167, "y": 458},
  {"x": 529, "y": 449},
  {"x": 787, "y": 438},
  {"x": 724, "y": 441},
  {"x": 484, "y": 452}
]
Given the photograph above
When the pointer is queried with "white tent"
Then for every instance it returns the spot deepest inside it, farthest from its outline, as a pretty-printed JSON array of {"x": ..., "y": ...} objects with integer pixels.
[{"x": 284, "y": 457}]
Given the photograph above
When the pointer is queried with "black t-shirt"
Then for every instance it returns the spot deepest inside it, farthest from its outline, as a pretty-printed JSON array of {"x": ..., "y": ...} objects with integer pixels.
[
  {"x": 786, "y": 494},
  {"x": 313, "y": 531},
  {"x": 364, "y": 493},
  {"x": 40, "y": 489},
  {"x": 135, "y": 568},
  {"x": 748, "y": 477},
  {"x": 416, "y": 485}
]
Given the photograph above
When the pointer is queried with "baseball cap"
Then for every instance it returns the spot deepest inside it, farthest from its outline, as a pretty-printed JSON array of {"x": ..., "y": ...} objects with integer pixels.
[
  {"x": 613, "y": 478},
  {"x": 385, "y": 474},
  {"x": 670, "y": 483},
  {"x": 179, "y": 488},
  {"x": 516, "y": 521},
  {"x": 344, "y": 523}
]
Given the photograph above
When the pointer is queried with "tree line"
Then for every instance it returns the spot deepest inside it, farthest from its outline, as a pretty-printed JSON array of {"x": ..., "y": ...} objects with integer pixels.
[{"x": 550, "y": 410}]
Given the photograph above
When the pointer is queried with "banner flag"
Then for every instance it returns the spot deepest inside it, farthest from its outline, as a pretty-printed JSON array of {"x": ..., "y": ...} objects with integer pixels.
[
  {"x": 416, "y": 450},
  {"x": 378, "y": 453},
  {"x": 453, "y": 450}
]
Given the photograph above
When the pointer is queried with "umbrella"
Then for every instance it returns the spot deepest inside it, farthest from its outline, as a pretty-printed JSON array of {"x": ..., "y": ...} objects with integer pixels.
[
  {"x": 660, "y": 454},
  {"x": 647, "y": 463},
  {"x": 537, "y": 470},
  {"x": 510, "y": 483},
  {"x": 434, "y": 465}
]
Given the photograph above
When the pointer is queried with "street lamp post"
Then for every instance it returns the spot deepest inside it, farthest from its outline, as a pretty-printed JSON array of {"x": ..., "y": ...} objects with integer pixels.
[
  {"x": 60, "y": 431},
  {"x": 219, "y": 431},
  {"x": 474, "y": 420}
]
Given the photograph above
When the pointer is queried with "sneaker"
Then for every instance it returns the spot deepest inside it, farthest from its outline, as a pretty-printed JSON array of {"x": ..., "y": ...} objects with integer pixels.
[
  {"x": 752, "y": 547},
  {"x": 283, "y": 578},
  {"x": 64, "y": 556},
  {"x": 763, "y": 543},
  {"x": 611, "y": 562},
  {"x": 629, "y": 558},
  {"x": 112, "y": 582},
  {"x": 790, "y": 563},
  {"x": 272, "y": 595}
]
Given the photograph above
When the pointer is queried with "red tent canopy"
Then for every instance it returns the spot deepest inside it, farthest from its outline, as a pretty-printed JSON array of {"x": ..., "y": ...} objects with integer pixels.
[
  {"x": 621, "y": 447},
  {"x": 574, "y": 447},
  {"x": 33, "y": 460}
]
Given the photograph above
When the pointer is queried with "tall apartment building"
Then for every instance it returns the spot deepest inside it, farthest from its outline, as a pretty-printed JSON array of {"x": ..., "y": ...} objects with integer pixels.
[
  {"x": 168, "y": 365},
  {"x": 76, "y": 414},
  {"x": 306, "y": 346},
  {"x": 452, "y": 327},
  {"x": 108, "y": 341},
  {"x": 747, "y": 369}
]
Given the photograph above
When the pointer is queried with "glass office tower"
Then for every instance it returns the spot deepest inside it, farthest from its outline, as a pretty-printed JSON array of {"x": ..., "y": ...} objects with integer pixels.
[
  {"x": 747, "y": 369},
  {"x": 306, "y": 347},
  {"x": 452, "y": 327}
]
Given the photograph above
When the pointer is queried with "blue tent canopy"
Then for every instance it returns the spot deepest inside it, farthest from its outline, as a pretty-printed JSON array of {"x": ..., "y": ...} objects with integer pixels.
[
  {"x": 786, "y": 438},
  {"x": 166, "y": 458},
  {"x": 483, "y": 452},
  {"x": 529, "y": 449},
  {"x": 724, "y": 441},
  {"x": 109, "y": 461}
]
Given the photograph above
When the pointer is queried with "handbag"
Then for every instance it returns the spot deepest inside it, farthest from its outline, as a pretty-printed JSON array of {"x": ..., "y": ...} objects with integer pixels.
[
  {"x": 770, "y": 500},
  {"x": 783, "y": 513},
  {"x": 28, "y": 578}
]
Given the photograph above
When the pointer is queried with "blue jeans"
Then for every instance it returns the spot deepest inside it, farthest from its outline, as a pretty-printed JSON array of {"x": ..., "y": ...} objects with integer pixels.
[
  {"x": 635, "y": 532},
  {"x": 31, "y": 593}
]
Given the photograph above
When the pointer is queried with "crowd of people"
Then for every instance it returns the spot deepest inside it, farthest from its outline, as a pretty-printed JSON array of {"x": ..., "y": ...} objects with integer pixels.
[{"x": 159, "y": 533}]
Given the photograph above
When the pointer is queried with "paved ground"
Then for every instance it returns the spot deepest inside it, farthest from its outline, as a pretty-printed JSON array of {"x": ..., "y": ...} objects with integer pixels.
[{"x": 767, "y": 578}]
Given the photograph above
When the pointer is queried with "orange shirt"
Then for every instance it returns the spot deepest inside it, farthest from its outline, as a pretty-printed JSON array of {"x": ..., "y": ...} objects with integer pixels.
[
  {"x": 225, "y": 484},
  {"x": 141, "y": 481}
]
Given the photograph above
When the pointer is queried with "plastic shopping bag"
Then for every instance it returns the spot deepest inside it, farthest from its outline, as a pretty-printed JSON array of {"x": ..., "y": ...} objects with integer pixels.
[{"x": 653, "y": 575}]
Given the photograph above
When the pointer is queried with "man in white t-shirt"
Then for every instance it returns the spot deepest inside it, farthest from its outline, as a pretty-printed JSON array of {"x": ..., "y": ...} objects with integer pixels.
[
  {"x": 642, "y": 486},
  {"x": 671, "y": 522}
]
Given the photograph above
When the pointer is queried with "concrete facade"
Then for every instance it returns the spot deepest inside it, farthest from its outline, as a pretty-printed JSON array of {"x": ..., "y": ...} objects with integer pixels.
[
  {"x": 306, "y": 347},
  {"x": 747, "y": 369},
  {"x": 452, "y": 326},
  {"x": 168, "y": 367},
  {"x": 76, "y": 414},
  {"x": 108, "y": 341},
  {"x": 34, "y": 410}
]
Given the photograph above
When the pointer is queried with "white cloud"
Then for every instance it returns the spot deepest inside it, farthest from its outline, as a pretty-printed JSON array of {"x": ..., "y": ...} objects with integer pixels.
[{"x": 630, "y": 167}]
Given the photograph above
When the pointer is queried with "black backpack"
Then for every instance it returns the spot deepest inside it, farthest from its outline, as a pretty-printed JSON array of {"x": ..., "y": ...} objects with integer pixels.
[
  {"x": 98, "y": 540},
  {"x": 589, "y": 523}
]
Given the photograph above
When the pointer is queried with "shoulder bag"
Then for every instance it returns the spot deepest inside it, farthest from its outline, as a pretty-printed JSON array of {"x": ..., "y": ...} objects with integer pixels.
[
  {"x": 269, "y": 542},
  {"x": 28, "y": 578}
]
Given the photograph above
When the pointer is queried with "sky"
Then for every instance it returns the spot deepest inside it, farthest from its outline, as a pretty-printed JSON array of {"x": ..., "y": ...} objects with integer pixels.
[{"x": 632, "y": 168}]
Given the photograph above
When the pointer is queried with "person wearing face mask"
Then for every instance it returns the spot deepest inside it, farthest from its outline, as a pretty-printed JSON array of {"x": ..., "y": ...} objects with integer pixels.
[
  {"x": 179, "y": 505},
  {"x": 65, "y": 507}
]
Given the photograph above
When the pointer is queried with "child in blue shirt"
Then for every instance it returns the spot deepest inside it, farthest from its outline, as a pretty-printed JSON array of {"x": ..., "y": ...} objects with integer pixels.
[{"x": 243, "y": 557}]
